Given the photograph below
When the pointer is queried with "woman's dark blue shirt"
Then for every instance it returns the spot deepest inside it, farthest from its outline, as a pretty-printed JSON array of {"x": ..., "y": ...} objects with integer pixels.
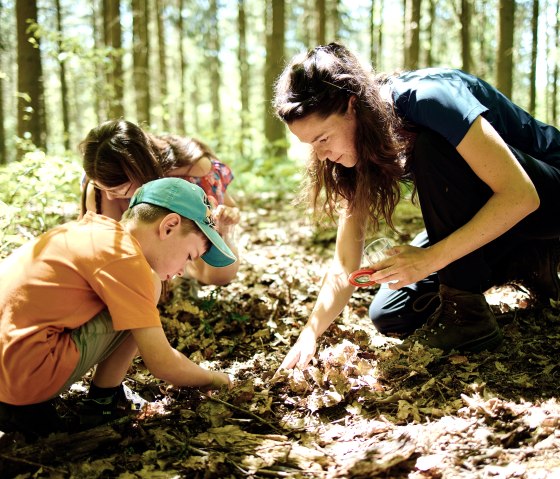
[{"x": 448, "y": 101}]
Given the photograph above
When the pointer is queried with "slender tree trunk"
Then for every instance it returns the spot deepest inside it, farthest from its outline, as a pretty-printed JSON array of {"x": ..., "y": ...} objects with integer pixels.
[
  {"x": 404, "y": 31},
  {"x": 379, "y": 65},
  {"x": 321, "y": 21},
  {"x": 466, "y": 14},
  {"x": 113, "y": 41},
  {"x": 140, "y": 54},
  {"x": 505, "y": 47},
  {"x": 181, "y": 108},
  {"x": 335, "y": 19},
  {"x": 214, "y": 46},
  {"x": 242, "y": 60},
  {"x": 556, "y": 72},
  {"x": 99, "y": 97},
  {"x": 3, "y": 150},
  {"x": 372, "y": 34},
  {"x": 412, "y": 34},
  {"x": 275, "y": 131},
  {"x": 31, "y": 104},
  {"x": 483, "y": 62},
  {"x": 3, "y": 49},
  {"x": 534, "y": 49},
  {"x": 308, "y": 36},
  {"x": 195, "y": 102},
  {"x": 430, "y": 33},
  {"x": 162, "y": 56},
  {"x": 63, "y": 83}
]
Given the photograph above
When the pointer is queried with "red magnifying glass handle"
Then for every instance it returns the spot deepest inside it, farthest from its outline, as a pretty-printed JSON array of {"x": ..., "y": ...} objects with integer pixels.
[{"x": 361, "y": 277}]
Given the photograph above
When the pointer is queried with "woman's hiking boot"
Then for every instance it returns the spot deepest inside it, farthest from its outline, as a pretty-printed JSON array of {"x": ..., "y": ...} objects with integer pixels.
[
  {"x": 463, "y": 321},
  {"x": 536, "y": 267}
]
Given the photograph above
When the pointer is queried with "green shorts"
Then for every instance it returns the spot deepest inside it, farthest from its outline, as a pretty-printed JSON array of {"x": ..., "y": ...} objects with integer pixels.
[{"x": 96, "y": 340}]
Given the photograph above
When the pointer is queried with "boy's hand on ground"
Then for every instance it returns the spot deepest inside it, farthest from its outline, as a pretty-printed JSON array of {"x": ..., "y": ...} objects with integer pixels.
[{"x": 219, "y": 380}]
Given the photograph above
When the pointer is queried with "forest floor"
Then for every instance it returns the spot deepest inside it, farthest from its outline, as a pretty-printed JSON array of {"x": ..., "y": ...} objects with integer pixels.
[{"x": 359, "y": 411}]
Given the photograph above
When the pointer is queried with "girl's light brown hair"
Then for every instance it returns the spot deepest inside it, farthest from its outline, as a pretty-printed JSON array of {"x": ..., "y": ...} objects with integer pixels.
[{"x": 118, "y": 151}]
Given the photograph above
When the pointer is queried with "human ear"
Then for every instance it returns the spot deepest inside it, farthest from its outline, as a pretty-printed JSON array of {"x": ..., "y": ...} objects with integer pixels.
[
  {"x": 169, "y": 224},
  {"x": 351, "y": 101}
]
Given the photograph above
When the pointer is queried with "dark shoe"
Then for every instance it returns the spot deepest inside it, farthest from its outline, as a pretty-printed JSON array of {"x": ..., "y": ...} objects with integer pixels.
[
  {"x": 463, "y": 321},
  {"x": 31, "y": 420},
  {"x": 536, "y": 267},
  {"x": 96, "y": 411}
]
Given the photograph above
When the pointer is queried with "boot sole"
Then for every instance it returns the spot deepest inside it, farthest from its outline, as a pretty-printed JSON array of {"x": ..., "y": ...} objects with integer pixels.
[{"x": 485, "y": 343}]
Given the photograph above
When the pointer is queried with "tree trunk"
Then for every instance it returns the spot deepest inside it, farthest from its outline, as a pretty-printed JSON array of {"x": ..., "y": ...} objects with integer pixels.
[
  {"x": 412, "y": 34},
  {"x": 504, "y": 54},
  {"x": 275, "y": 132},
  {"x": 243, "y": 75},
  {"x": 430, "y": 34},
  {"x": 380, "y": 37},
  {"x": 180, "y": 121},
  {"x": 534, "y": 49},
  {"x": 372, "y": 34},
  {"x": 3, "y": 48},
  {"x": 140, "y": 52},
  {"x": 63, "y": 83},
  {"x": 484, "y": 68},
  {"x": 162, "y": 56},
  {"x": 3, "y": 157},
  {"x": 113, "y": 41},
  {"x": 31, "y": 124},
  {"x": 99, "y": 91},
  {"x": 335, "y": 19},
  {"x": 321, "y": 21},
  {"x": 214, "y": 64},
  {"x": 466, "y": 35},
  {"x": 556, "y": 72},
  {"x": 308, "y": 36}
]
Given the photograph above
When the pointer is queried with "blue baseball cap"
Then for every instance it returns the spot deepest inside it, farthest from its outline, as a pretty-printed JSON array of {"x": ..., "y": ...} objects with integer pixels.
[{"x": 190, "y": 201}]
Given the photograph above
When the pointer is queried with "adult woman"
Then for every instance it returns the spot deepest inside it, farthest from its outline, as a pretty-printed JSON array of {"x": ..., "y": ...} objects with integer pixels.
[
  {"x": 485, "y": 171},
  {"x": 119, "y": 157}
]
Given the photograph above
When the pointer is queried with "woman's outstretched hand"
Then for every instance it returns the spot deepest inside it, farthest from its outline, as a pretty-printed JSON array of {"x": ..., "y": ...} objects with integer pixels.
[{"x": 302, "y": 351}]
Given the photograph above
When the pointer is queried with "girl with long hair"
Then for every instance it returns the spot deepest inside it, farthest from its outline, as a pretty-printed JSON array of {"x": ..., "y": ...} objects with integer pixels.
[{"x": 118, "y": 157}]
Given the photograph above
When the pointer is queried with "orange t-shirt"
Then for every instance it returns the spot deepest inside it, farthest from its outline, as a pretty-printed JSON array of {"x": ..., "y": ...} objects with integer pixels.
[{"x": 58, "y": 282}]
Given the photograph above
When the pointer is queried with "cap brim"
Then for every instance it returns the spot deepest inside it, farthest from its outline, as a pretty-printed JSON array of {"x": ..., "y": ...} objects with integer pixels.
[{"x": 219, "y": 254}]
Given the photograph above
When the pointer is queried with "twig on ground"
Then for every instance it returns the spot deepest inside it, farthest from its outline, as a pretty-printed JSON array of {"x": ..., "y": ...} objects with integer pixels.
[
  {"x": 202, "y": 452},
  {"x": 33, "y": 463},
  {"x": 244, "y": 411}
]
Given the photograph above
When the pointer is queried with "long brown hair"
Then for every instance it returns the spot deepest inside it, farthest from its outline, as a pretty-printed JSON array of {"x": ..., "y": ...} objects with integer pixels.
[
  {"x": 119, "y": 151},
  {"x": 322, "y": 81}
]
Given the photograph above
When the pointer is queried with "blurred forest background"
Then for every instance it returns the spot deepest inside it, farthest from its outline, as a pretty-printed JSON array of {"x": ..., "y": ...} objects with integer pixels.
[{"x": 206, "y": 68}]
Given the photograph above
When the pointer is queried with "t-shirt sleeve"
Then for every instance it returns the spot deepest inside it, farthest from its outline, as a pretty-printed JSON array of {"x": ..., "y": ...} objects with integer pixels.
[
  {"x": 126, "y": 287},
  {"x": 225, "y": 173},
  {"x": 444, "y": 105}
]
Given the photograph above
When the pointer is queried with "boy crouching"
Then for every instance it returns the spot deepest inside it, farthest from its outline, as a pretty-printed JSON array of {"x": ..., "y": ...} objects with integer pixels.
[{"x": 85, "y": 294}]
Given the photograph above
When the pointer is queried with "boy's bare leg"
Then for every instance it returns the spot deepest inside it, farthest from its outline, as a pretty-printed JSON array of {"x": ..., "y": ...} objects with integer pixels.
[{"x": 112, "y": 371}]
